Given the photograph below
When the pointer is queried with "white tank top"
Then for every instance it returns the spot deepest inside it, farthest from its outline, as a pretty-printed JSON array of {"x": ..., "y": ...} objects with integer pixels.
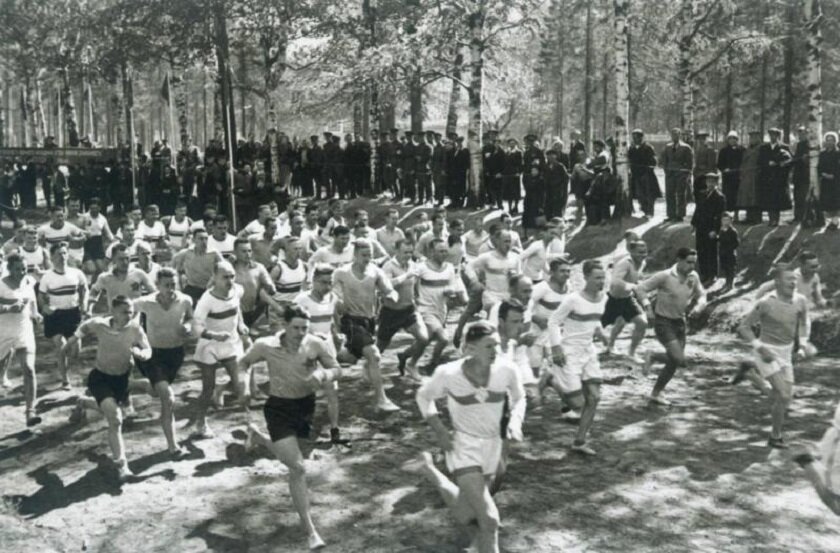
[
  {"x": 179, "y": 232},
  {"x": 290, "y": 281},
  {"x": 321, "y": 313},
  {"x": 33, "y": 260}
]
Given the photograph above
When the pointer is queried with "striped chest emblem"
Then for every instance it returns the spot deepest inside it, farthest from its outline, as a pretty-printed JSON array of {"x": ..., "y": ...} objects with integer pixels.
[
  {"x": 584, "y": 317},
  {"x": 479, "y": 396},
  {"x": 228, "y": 313}
]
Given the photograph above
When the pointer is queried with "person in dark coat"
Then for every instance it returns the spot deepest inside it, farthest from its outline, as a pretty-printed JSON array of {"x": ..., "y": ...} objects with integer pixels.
[
  {"x": 706, "y": 222},
  {"x": 512, "y": 176},
  {"x": 829, "y": 169},
  {"x": 577, "y": 149},
  {"x": 533, "y": 169},
  {"x": 333, "y": 165},
  {"x": 458, "y": 168},
  {"x": 729, "y": 164},
  {"x": 677, "y": 160},
  {"x": 774, "y": 160},
  {"x": 601, "y": 193},
  {"x": 408, "y": 168},
  {"x": 644, "y": 186},
  {"x": 728, "y": 242},
  {"x": 801, "y": 174},
  {"x": 705, "y": 162},
  {"x": 494, "y": 165},
  {"x": 422, "y": 168},
  {"x": 439, "y": 167},
  {"x": 556, "y": 179}
]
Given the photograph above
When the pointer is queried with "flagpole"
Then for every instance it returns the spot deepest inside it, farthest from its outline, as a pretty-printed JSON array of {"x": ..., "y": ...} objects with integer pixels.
[
  {"x": 171, "y": 102},
  {"x": 230, "y": 142}
]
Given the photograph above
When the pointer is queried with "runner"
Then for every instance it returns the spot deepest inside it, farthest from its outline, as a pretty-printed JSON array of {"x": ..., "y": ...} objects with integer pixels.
[
  {"x": 264, "y": 245},
  {"x": 576, "y": 370},
  {"x": 475, "y": 389},
  {"x": 257, "y": 226},
  {"x": 35, "y": 257},
  {"x": 297, "y": 230},
  {"x": 128, "y": 239},
  {"x": 489, "y": 274},
  {"x": 218, "y": 324},
  {"x": 622, "y": 305},
  {"x": 438, "y": 230},
  {"x": 119, "y": 340},
  {"x": 545, "y": 300},
  {"x": 311, "y": 231},
  {"x": 535, "y": 257},
  {"x": 145, "y": 263},
  {"x": 437, "y": 286},
  {"x": 220, "y": 240},
  {"x": 677, "y": 289},
  {"x": 782, "y": 316},
  {"x": 289, "y": 277},
  {"x": 822, "y": 468},
  {"x": 293, "y": 379},
  {"x": 807, "y": 281},
  {"x": 62, "y": 294},
  {"x": 152, "y": 231},
  {"x": 475, "y": 237},
  {"x": 18, "y": 311},
  {"x": 257, "y": 288},
  {"x": 178, "y": 227},
  {"x": 337, "y": 254},
  {"x": 121, "y": 280},
  {"x": 167, "y": 321},
  {"x": 402, "y": 313},
  {"x": 195, "y": 266},
  {"x": 336, "y": 217},
  {"x": 16, "y": 241},
  {"x": 390, "y": 233},
  {"x": 98, "y": 234},
  {"x": 76, "y": 241},
  {"x": 356, "y": 286},
  {"x": 520, "y": 289},
  {"x": 58, "y": 230}
]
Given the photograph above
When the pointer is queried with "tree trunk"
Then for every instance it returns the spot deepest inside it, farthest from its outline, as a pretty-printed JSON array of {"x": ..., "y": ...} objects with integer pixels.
[
  {"x": 587, "y": 79},
  {"x": 69, "y": 108},
  {"x": 686, "y": 88},
  {"x": 787, "y": 103},
  {"x": 730, "y": 100},
  {"x": 128, "y": 105},
  {"x": 365, "y": 115},
  {"x": 29, "y": 114},
  {"x": 622, "y": 107},
  {"x": 605, "y": 93},
  {"x": 415, "y": 103},
  {"x": 222, "y": 48},
  {"x": 116, "y": 117},
  {"x": 243, "y": 94},
  {"x": 38, "y": 108},
  {"x": 180, "y": 99},
  {"x": 813, "y": 38},
  {"x": 454, "y": 95},
  {"x": 762, "y": 95},
  {"x": 4, "y": 94},
  {"x": 476, "y": 27},
  {"x": 357, "y": 114}
]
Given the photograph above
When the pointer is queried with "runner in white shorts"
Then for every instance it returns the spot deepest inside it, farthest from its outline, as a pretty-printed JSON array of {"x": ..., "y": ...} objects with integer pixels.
[
  {"x": 576, "y": 371},
  {"x": 822, "y": 468},
  {"x": 475, "y": 389},
  {"x": 521, "y": 289},
  {"x": 219, "y": 326},
  {"x": 437, "y": 285},
  {"x": 545, "y": 300},
  {"x": 779, "y": 315}
]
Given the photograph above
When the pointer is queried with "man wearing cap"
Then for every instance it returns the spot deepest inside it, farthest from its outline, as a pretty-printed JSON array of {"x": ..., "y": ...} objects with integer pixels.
[
  {"x": 533, "y": 171},
  {"x": 801, "y": 174},
  {"x": 512, "y": 175},
  {"x": 644, "y": 185},
  {"x": 316, "y": 164},
  {"x": 458, "y": 170},
  {"x": 705, "y": 162},
  {"x": 556, "y": 179},
  {"x": 396, "y": 159},
  {"x": 678, "y": 162},
  {"x": 729, "y": 164},
  {"x": 423, "y": 171},
  {"x": 438, "y": 166},
  {"x": 774, "y": 160},
  {"x": 494, "y": 159},
  {"x": 748, "y": 181},
  {"x": 706, "y": 222}
]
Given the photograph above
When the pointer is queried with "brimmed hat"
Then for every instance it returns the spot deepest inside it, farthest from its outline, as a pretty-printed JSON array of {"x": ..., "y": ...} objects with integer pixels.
[
  {"x": 775, "y": 130},
  {"x": 638, "y": 131},
  {"x": 732, "y": 134}
]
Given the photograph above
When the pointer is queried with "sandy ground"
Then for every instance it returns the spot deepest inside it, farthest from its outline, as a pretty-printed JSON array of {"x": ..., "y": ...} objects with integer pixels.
[{"x": 695, "y": 477}]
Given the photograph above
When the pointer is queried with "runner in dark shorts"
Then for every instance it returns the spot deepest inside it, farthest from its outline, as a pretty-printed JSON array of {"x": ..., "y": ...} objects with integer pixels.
[
  {"x": 625, "y": 308},
  {"x": 299, "y": 363},
  {"x": 163, "y": 366},
  {"x": 62, "y": 322},
  {"x": 359, "y": 332},
  {"x": 103, "y": 386},
  {"x": 392, "y": 321},
  {"x": 194, "y": 292}
]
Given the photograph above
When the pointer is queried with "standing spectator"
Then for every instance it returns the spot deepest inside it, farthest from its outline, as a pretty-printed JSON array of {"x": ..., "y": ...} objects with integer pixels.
[
  {"x": 748, "y": 183},
  {"x": 494, "y": 164},
  {"x": 533, "y": 169},
  {"x": 439, "y": 168},
  {"x": 512, "y": 176},
  {"x": 423, "y": 161},
  {"x": 801, "y": 174},
  {"x": 460, "y": 165},
  {"x": 774, "y": 161},
  {"x": 333, "y": 165},
  {"x": 316, "y": 166},
  {"x": 408, "y": 167},
  {"x": 729, "y": 164},
  {"x": 829, "y": 169},
  {"x": 678, "y": 162},
  {"x": 602, "y": 190},
  {"x": 644, "y": 186},
  {"x": 706, "y": 222},
  {"x": 728, "y": 242},
  {"x": 556, "y": 180},
  {"x": 577, "y": 149}
]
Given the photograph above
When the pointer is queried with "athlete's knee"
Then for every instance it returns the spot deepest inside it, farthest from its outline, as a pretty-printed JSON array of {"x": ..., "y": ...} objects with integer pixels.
[
  {"x": 574, "y": 401},
  {"x": 783, "y": 394},
  {"x": 488, "y": 520},
  {"x": 113, "y": 414},
  {"x": 371, "y": 354},
  {"x": 640, "y": 323},
  {"x": 166, "y": 394},
  {"x": 593, "y": 395},
  {"x": 296, "y": 468}
]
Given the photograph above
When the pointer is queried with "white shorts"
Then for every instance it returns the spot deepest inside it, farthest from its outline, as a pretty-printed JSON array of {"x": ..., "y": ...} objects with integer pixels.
[
  {"x": 433, "y": 321},
  {"x": 75, "y": 256},
  {"x": 471, "y": 453},
  {"x": 540, "y": 349},
  {"x": 783, "y": 362},
  {"x": 582, "y": 365},
  {"x": 210, "y": 352},
  {"x": 489, "y": 298},
  {"x": 22, "y": 340}
]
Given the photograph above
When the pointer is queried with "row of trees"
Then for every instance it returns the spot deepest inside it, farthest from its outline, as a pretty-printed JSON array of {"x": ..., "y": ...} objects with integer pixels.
[{"x": 541, "y": 66}]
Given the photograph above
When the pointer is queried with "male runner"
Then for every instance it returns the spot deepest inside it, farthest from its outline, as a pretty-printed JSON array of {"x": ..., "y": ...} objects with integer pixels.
[
  {"x": 167, "y": 314},
  {"x": 677, "y": 289},
  {"x": 475, "y": 389},
  {"x": 438, "y": 230},
  {"x": 263, "y": 245},
  {"x": 153, "y": 232},
  {"x": 119, "y": 340},
  {"x": 18, "y": 310},
  {"x": 437, "y": 285},
  {"x": 292, "y": 357},
  {"x": 76, "y": 241},
  {"x": 178, "y": 227},
  {"x": 220, "y": 240},
  {"x": 145, "y": 263},
  {"x": 336, "y": 254},
  {"x": 62, "y": 293},
  {"x": 782, "y": 316},
  {"x": 807, "y": 281},
  {"x": 390, "y": 233},
  {"x": 195, "y": 266},
  {"x": 35, "y": 257},
  {"x": 98, "y": 235},
  {"x": 257, "y": 226},
  {"x": 121, "y": 280},
  {"x": 218, "y": 324},
  {"x": 622, "y": 306},
  {"x": 356, "y": 286},
  {"x": 545, "y": 300},
  {"x": 822, "y": 468},
  {"x": 128, "y": 238},
  {"x": 59, "y": 230},
  {"x": 576, "y": 371}
]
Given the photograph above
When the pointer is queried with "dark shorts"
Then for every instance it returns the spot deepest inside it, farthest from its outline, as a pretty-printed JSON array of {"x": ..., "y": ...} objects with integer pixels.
[
  {"x": 669, "y": 330},
  {"x": 626, "y": 308},
  {"x": 103, "y": 386},
  {"x": 250, "y": 317},
  {"x": 163, "y": 365},
  {"x": 62, "y": 322},
  {"x": 94, "y": 249},
  {"x": 194, "y": 292},
  {"x": 392, "y": 321},
  {"x": 359, "y": 332},
  {"x": 289, "y": 417}
]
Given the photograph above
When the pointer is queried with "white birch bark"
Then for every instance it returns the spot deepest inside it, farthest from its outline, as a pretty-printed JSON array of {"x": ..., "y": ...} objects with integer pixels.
[
  {"x": 475, "y": 185},
  {"x": 622, "y": 104},
  {"x": 813, "y": 39}
]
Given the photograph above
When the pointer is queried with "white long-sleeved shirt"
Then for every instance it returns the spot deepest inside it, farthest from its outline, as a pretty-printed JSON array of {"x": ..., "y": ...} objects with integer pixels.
[
  {"x": 575, "y": 321},
  {"x": 474, "y": 411},
  {"x": 219, "y": 315}
]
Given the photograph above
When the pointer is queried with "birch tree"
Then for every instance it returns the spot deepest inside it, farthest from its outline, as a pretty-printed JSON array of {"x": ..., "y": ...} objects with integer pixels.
[
  {"x": 813, "y": 40},
  {"x": 622, "y": 106}
]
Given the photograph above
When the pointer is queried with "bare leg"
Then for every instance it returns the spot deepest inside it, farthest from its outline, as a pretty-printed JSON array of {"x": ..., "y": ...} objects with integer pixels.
[
  {"x": 675, "y": 357},
  {"x": 639, "y": 328},
  {"x": 616, "y": 329},
  {"x": 242, "y": 392},
  {"x": 781, "y": 397},
  {"x": 372, "y": 358},
  {"x": 208, "y": 386},
  {"x": 167, "y": 414},
  {"x": 331, "y": 393},
  {"x": 288, "y": 452},
  {"x": 474, "y": 495},
  {"x": 4, "y": 371},
  {"x": 30, "y": 383},
  {"x": 815, "y": 473},
  {"x": 113, "y": 415},
  {"x": 591, "y": 397}
]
